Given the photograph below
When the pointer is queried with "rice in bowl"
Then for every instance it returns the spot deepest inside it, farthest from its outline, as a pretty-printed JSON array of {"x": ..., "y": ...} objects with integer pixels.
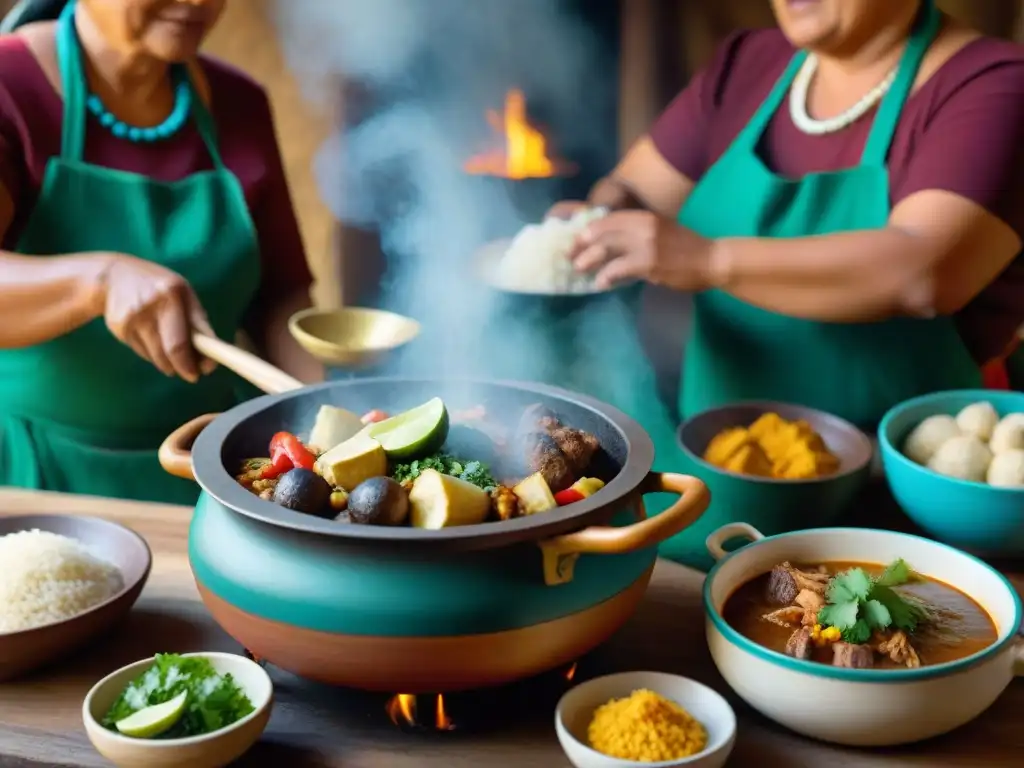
[{"x": 45, "y": 578}]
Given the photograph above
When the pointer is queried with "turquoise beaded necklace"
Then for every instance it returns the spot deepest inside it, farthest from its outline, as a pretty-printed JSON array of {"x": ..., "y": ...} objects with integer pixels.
[{"x": 168, "y": 128}]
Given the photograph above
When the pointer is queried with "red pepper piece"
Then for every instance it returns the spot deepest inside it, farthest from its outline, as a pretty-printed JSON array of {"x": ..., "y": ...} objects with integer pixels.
[
  {"x": 568, "y": 496},
  {"x": 279, "y": 464},
  {"x": 292, "y": 447}
]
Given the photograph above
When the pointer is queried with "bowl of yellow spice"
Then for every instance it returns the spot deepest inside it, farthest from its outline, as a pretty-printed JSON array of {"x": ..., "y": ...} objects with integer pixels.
[
  {"x": 778, "y": 466},
  {"x": 645, "y": 718}
]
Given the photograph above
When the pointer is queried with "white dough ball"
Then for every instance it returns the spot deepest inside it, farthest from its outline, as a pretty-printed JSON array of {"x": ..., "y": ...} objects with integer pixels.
[
  {"x": 926, "y": 438},
  {"x": 978, "y": 419},
  {"x": 1008, "y": 434},
  {"x": 964, "y": 457},
  {"x": 1007, "y": 470}
]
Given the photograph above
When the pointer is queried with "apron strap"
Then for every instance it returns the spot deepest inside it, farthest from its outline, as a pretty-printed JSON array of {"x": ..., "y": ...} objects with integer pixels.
[
  {"x": 876, "y": 150},
  {"x": 73, "y": 84},
  {"x": 752, "y": 132},
  {"x": 72, "y": 81}
]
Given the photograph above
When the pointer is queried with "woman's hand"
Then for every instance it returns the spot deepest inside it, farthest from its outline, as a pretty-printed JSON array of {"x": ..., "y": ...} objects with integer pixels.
[
  {"x": 640, "y": 245},
  {"x": 154, "y": 311}
]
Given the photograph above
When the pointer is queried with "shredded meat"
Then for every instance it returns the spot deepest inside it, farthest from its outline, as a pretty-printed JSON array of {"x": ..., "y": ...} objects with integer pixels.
[
  {"x": 786, "y": 582},
  {"x": 504, "y": 503},
  {"x": 577, "y": 446},
  {"x": 799, "y": 644},
  {"x": 791, "y": 615},
  {"x": 898, "y": 648},
  {"x": 811, "y": 602}
]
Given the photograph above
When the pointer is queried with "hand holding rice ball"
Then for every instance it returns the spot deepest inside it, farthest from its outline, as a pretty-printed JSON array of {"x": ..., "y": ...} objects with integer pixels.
[{"x": 975, "y": 445}]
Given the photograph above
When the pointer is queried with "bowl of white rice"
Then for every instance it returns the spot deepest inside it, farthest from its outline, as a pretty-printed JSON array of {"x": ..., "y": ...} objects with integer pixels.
[
  {"x": 536, "y": 262},
  {"x": 64, "y": 580}
]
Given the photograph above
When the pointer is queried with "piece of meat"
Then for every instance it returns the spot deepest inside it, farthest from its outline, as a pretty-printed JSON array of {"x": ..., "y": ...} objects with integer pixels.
[
  {"x": 504, "y": 503},
  {"x": 811, "y": 602},
  {"x": 542, "y": 454},
  {"x": 898, "y": 648},
  {"x": 852, "y": 656},
  {"x": 537, "y": 418},
  {"x": 578, "y": 446},
  {"x": 790, "y": 616},
  {"x": 782, "y": 589},
  {"x": 799, "y": 645}
]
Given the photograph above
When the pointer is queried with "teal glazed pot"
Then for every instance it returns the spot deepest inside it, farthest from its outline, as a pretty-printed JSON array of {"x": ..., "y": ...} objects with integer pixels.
[
  {"x": 772, "y": 506},
  {"x": 979, "y": 518},
  {"x": 403, "y": 609}
]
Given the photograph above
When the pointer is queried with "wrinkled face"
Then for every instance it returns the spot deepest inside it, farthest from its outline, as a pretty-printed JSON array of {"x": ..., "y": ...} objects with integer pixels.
[
  {"x": 168, "y": 30},
  {"x": 832, "y": 24}
]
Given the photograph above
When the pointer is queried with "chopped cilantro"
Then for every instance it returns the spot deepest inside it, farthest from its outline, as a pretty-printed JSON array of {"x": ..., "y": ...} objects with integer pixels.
[
  {"x": 859, "y": 605},
  {"x": 475, "y": 472},
  {"x": 214, "y": 700}
]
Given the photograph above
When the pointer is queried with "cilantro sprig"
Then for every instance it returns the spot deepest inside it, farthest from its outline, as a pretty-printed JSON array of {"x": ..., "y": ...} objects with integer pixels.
[
  {"x": 475, "y": 472},
  {"x": 859, "y": 605}
]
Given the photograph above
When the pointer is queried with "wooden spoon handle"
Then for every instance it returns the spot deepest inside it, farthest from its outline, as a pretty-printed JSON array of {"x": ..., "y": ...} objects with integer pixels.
[{"x": 253, "y": 369}]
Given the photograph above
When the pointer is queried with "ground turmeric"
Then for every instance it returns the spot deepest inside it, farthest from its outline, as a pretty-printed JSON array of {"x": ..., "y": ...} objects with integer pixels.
[
  {"x": 772, "y": 447},
  {"x": 646, "y": 728}
]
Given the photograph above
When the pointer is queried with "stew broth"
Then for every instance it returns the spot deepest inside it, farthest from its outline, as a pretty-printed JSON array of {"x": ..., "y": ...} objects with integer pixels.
[{"x": 959, "y": 627}]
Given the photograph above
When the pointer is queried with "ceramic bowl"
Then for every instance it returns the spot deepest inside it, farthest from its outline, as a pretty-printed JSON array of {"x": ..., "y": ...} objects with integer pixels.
[
  {"x": 774, "y": 506},
  {"x": 26, "y": 650},
  {"x": 873, "y": 707},
  {"x": 973, "y": 516},
  {"x": 207, "y": 751},
  {"x": 576, "y": 708}
]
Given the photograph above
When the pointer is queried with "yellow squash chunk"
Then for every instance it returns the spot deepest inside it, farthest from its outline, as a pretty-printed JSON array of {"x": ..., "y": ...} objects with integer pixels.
[
  {"x": 534, "y": 495},
  {"x": 439, "y": 501},
  {"x": 333, "y": 426},
  {"x": 348, "y": 464}
]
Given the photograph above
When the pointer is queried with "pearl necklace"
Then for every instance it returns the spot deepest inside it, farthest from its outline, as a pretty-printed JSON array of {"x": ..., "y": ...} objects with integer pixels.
[{"x": 813, "y": 127}]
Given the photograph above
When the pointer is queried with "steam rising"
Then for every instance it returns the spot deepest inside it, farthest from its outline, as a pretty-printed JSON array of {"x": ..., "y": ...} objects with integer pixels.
[{"x": 434, "y": 68}]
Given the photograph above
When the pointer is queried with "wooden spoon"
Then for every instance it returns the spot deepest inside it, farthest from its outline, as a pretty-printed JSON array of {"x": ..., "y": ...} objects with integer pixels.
[{"x": 253, "y": 369}]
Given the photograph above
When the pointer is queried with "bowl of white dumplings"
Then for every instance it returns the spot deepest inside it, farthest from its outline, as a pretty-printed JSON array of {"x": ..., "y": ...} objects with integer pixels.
[{"x": 955, "y": 464}]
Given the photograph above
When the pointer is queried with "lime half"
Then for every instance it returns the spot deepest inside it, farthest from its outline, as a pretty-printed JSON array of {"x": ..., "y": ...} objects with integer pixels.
[
  {"x": 154, "y": 720},
  {"x": 417, "y": 432}
]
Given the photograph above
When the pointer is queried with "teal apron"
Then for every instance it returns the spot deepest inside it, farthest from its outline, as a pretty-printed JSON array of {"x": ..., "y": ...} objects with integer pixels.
[
  {"x": 82, "y": 413},
  {"x": 740, "y": 352}
]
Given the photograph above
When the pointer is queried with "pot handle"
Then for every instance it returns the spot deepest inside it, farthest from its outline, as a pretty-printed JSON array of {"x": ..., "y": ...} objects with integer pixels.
[
  {"x": 561, "y": 553},
  {"x": 716, "y": 541},
  {"x": 175, "y": 452}
]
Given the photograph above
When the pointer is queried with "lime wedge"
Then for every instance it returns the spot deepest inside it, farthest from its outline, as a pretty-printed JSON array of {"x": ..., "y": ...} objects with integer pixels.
[
  {"x": 417, "y": 432},
  {"x": 154, "y": 720}
]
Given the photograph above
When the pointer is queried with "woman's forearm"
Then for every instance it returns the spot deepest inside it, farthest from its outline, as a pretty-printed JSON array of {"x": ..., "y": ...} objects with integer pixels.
[
  {"x": 44, "y": 297},
  {"x": 845, "y": 277},
  {"x": 279, "y": 346}
]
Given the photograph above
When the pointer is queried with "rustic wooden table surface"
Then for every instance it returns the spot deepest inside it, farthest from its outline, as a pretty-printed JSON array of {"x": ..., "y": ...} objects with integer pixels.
[{"x": 315, "y": 726}]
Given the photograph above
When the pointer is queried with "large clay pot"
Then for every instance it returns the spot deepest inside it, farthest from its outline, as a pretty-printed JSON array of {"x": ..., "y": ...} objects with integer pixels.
[{"x": 403, "y": 609}]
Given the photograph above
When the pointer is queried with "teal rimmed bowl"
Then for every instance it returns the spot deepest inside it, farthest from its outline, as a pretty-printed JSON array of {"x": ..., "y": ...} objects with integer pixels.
[
  {"x": 878, "y": 707},
  {"x": 973, "y": 516}
]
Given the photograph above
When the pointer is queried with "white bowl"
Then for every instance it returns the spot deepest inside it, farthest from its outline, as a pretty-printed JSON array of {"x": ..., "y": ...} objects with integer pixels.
[
  {"x": 873, "y": 707},
  {"x": 576, "y": 708},
  {"x": 210, "y": 750}
]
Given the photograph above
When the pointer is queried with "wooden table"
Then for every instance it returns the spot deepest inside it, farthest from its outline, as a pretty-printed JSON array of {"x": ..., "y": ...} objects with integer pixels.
[{"x": 40, "y": 721}]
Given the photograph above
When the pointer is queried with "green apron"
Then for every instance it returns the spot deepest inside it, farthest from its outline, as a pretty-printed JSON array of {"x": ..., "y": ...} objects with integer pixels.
[
  {"x": 740, "y": 352},
  {"x": 82, "y": 413}
]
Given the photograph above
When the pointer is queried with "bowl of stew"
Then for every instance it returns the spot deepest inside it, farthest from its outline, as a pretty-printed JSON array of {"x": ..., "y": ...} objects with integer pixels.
[{"x": 911, "y": 638}]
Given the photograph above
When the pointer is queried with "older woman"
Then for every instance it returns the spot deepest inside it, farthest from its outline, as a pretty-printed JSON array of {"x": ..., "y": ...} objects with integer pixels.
[
  {"x": 845, "y": 197},
  {"x": 142, "y": 198}
]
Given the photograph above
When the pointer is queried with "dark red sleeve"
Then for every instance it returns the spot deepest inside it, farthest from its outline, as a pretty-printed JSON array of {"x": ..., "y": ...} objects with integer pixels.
[
  {"x": 283, "y": 256},
  {"x": 682, "y": 133},
  {"x": 11, "y": 151},
  {"x": 973, "y": 145}
]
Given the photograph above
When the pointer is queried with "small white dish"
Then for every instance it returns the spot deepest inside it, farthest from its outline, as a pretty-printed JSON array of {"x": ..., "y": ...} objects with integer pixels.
[
  {"x": 210, "y": 750},
  {"x": 576, "y": 708}
]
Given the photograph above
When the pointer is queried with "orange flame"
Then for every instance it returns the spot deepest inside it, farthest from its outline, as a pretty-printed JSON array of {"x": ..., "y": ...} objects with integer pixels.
[
  {"x": 570, "y": 673},
  {"x": 401, "y": 708},
  {"x": 524, "y": 154}
]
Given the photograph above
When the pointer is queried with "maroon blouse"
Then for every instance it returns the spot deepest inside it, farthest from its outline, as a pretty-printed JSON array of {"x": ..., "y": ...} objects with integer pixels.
[
  {"x": 962, "y": 131},
  {"x": 31, "y": 113}
]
